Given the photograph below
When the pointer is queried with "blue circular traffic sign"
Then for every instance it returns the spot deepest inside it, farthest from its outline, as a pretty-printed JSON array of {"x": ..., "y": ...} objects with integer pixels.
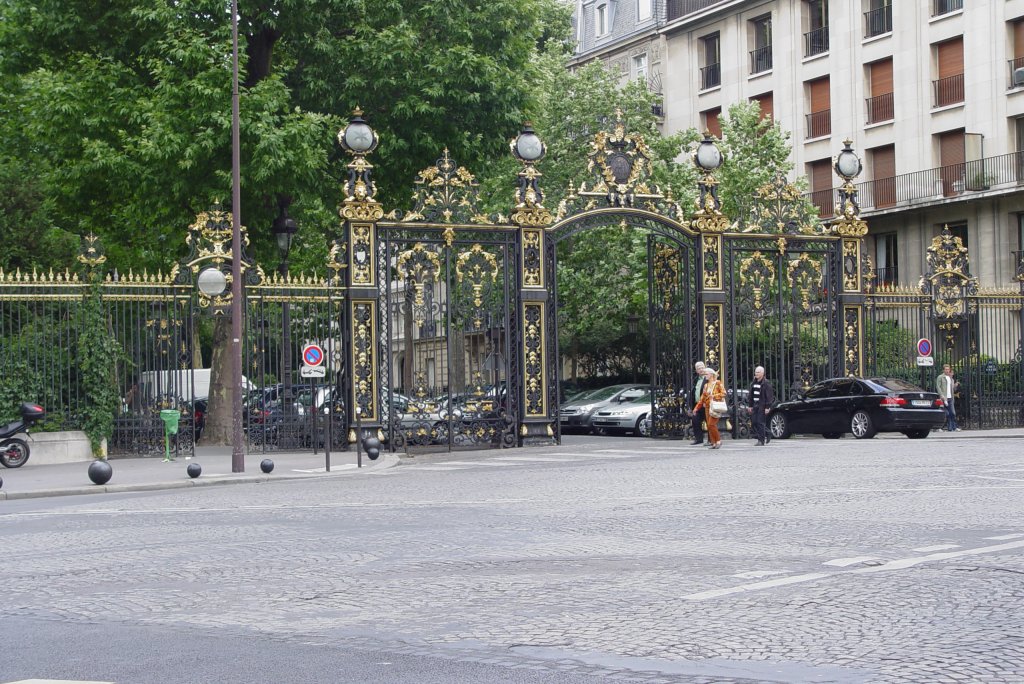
[
  {"x": 924, "y": 347},
  {"x": 313, "y": 355}
]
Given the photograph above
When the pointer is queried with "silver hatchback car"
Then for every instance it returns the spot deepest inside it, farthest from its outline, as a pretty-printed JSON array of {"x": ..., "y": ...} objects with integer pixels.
[{"x": 625, "y": 412}]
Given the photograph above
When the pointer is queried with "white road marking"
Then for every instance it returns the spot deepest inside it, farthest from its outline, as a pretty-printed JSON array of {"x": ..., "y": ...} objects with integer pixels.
[
  {"x": 756, "y": 574},
  {"x": 845, "y": 562},
  {"x": 1003, "y": 537},
  {"x": 57, "y": 681},
  {"x": 937, "y": 547},
  {"x": 900, "y": 564}
]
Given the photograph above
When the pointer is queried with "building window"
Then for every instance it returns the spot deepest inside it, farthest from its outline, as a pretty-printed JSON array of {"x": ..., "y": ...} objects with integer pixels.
[
  {"x": 820, "y": 174},
  {"x": 640, "y": 67},
  {"x": 816, "y": 38},
  {"x": 880, "y": 104},
  {"x": 1017, "y": 63},
  {"x": 711, "y": 66},
  {"x": 948, "y": 88},
  {"x": 886, "y": 259},
  {"x": 643, "y": 9},
  {"x": 767, "y": 104},
  {"x": 952, "y": 156},
  {"x": 761, "y": 55},
  {"x": 710, "y": 119},
  {"x": 601, "y": 20},
  {"x": 878, "y": 18},
  {"x": 819, "y": 121},
  {"x": 883, "y": 173}
]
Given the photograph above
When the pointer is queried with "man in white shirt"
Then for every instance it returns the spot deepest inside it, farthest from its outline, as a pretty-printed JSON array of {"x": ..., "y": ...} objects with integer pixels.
[
  {"x": 698, "y": 415},
  {"x": 946, "y": 386}
]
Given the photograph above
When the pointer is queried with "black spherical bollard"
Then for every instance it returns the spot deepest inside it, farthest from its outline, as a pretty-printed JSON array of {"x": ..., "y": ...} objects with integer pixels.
[
  {"x": 372, "y": 446},
  {"x": 266, "y": 465},
  {"x": 1, "y": 483},
  {"x": 100, "y": 472},
  {"x": 194, "y": 470}
]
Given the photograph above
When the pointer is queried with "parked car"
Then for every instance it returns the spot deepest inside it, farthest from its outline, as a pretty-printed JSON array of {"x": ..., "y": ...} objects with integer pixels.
[
  {"x": 575, "y": 415},
  {"x": 861, "y": 406},
  {"x": 625, "y": 412}
]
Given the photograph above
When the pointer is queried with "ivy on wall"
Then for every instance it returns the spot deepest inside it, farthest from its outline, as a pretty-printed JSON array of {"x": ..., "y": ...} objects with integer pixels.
[{"x": 98, "y": 356}]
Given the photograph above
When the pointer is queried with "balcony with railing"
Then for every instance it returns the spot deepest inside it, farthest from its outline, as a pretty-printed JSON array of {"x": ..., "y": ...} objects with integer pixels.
[
  {"x": 1016, "y": 73},
  {"x": 940, "y": 7},
  {"x": 948, "y": 91},
  {"x": 878, "y": 21},
  {"x": 1002, "y": 173},
  {"x": 761, "y": 59},
  {"x": 816, "y": 42},
  {"x": 887, "y": 275},
  {"x": 711, "y": 76},
  {"x": 819, "y": 124},
  {"x": 880, "y": 108},
  {"x": 676, "y": 9}
]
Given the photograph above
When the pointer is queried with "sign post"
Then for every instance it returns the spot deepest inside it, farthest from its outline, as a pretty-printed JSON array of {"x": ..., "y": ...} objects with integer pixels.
[
  {"x": 312, "y": 368},
  {"x": 924, "y": 352}
]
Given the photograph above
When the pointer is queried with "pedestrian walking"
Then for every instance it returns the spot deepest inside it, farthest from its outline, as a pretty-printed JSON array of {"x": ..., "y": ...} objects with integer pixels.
[
  {"x": 712, "y": 400},
  {"x": 947, "y": 387},
  {"x": 697, "y": 413},
  {"x": 762, "y": 398}
]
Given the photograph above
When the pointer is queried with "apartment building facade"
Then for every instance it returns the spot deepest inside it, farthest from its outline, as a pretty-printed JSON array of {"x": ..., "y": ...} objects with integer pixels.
[{"x": 931, "y": 92}]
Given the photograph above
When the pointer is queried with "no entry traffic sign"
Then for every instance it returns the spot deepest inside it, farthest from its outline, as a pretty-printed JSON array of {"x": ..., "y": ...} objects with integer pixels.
[{"x": 313, "y": 354}]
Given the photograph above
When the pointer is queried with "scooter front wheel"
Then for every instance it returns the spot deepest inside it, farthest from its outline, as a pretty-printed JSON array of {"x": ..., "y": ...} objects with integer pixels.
[{"x": 13, "y": 452}]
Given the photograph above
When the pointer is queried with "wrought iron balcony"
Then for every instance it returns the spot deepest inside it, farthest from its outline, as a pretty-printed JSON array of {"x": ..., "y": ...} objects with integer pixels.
[
  {"x": 761, "y": 59},
  {"x": 878, "y": 21},
  {"x": 940, "y": 7},
  {"x": 1003, "y": 172},
  {"x": 711, "y": 76},
  {"x": 816, "y": 41},
  {"x": 680, "y": 8},
  {"x": 880, "y": 108},
  {"x": 887, "y": 275},
  {"x": 948, "y": 91},
  {"x": 819, "y": 124}
]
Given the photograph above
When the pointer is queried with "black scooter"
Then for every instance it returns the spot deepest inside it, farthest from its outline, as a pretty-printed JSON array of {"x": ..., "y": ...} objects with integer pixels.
[{"x": 13, "y": 450}]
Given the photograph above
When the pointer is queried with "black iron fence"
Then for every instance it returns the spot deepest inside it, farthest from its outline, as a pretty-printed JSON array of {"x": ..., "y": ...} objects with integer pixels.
[
  {"x": 710, "y": 76},
  {"x": 948, "y": 91},
  {"x": 940, "y": 7},
  {"x": 880, "y": 108},
  {"x": 878, "y": 21},
  {"x": 816, "y": 41},
  {"x": 761, "y": 59},
  {"x": 819, "y": 124}
]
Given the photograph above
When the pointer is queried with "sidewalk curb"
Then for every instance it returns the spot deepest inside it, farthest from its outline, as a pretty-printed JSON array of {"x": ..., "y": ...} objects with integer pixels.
[{"x": 387, "y": 460}]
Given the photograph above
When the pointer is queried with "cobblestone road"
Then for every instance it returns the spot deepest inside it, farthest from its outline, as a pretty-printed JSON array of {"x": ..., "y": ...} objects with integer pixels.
[{"x": 888, "y": 560}]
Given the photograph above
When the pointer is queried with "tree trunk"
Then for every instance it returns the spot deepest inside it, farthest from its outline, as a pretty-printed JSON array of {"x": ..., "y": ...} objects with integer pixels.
[{"x": 219, "y": 415}]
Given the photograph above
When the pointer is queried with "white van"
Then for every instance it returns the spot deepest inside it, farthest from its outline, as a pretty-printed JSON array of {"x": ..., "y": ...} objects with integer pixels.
[{"x": 180, "y": 384}]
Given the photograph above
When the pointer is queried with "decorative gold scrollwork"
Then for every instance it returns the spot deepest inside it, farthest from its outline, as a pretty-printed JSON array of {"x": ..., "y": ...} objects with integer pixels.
[
  {"x": 805, "y": 274},
  {"x": 758, "y": 273},
  {"x": 533, "y": 357},
  {"x": 361, "y": 253},
  {"x": 533, "y": 265},
  {"x": 418, "y": 267},
  {"x": 948, "y": 280},
  {"x": 446, "y": 193},
  {"x": 668, "y": 277},
  {"x": 476, "y": 266},
  {"x": 711, "y": 246}
]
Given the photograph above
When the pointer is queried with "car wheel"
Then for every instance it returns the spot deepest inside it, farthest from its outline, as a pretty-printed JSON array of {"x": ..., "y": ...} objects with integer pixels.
[
  {"x": 832, "y": 435},
  {"x": 643, "y": 427},
  {"x": 779, "y": 426},
  {"x": 861, "y": 425},
  {"x": 916, "y": 434}
]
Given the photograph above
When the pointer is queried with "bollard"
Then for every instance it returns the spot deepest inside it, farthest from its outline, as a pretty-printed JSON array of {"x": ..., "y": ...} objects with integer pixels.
[
  {"x": 266, "y": 465},
  {"x": 100, "y": 472},
  {"x": 372, "y": 445},
  {"x": 1, "y": 483},
  {"x": 194, "y": 470}
]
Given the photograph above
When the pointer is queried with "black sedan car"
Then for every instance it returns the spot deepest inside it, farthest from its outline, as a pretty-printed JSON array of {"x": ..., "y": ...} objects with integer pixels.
[{"x": 861, "y": 406}]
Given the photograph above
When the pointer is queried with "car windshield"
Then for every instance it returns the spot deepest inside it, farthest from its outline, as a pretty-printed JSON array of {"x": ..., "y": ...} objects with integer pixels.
[
  {"x": 634, "y": 395},
  {"x": 606, "y": 392},
  {"x": 891, "y": 385}
]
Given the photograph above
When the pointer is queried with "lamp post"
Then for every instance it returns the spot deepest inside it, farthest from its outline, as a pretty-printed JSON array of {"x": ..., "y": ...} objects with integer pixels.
[
  {"x": 848, "y": 166},
  {"x": 237, "y": 437},
  {"x": 284, "y": 229},
  {"x": 707, "y": 158}
]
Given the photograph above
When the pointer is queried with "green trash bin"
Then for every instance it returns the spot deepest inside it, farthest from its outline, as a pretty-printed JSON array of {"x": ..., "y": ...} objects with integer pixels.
[{"x": 170, "y": 418}]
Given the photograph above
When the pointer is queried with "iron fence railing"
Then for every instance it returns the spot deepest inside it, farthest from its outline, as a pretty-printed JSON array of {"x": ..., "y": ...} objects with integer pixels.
[
  {"x": 878, "y": 21},
  {"x": 880, "y": 108},
  {"x": 940, "y": 7},
  {"x": 816, "y": 41},
  {"x": 1016, "y": 79},
  {"x": 711, "y": 76},
  {"x": 944, "y": 182},
  {"x": 887, "y": 276},
  {"x": 761, "y": 59},
  {"x": 680, "y": 8},
  {"x": 819, "y": 124},
  {"x": 948, "y": 91}
]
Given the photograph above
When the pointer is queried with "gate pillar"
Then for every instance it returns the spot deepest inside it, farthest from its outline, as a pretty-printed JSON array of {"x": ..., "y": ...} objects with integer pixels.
[
  {"x": 710, "y": 223},
  {"x": 535, "y": 310},
  {"x": 356, "y": 254},
  {"x": 852, "y": 229}
]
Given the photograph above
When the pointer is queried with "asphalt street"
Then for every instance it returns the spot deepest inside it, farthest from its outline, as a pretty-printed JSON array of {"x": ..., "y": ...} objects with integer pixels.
[{"x": 809, "y": 560}]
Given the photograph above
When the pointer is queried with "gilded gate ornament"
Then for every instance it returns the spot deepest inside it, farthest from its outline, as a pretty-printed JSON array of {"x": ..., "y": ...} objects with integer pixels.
[
  {"x": 475, "y": 267},
  {"x": 780, "y": 207},
  {"x": 446, "y": 193},
  {"x": 948, "y": 280},
  {"x": 667, "y": 275},
  {"x": 209, "y": 241},
  {"x": 805, "y": 274},
  {"x": 758, "y": 273}
]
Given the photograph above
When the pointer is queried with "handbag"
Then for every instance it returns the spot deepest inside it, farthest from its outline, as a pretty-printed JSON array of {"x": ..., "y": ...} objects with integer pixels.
[{"x": 719, "y": 408}]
